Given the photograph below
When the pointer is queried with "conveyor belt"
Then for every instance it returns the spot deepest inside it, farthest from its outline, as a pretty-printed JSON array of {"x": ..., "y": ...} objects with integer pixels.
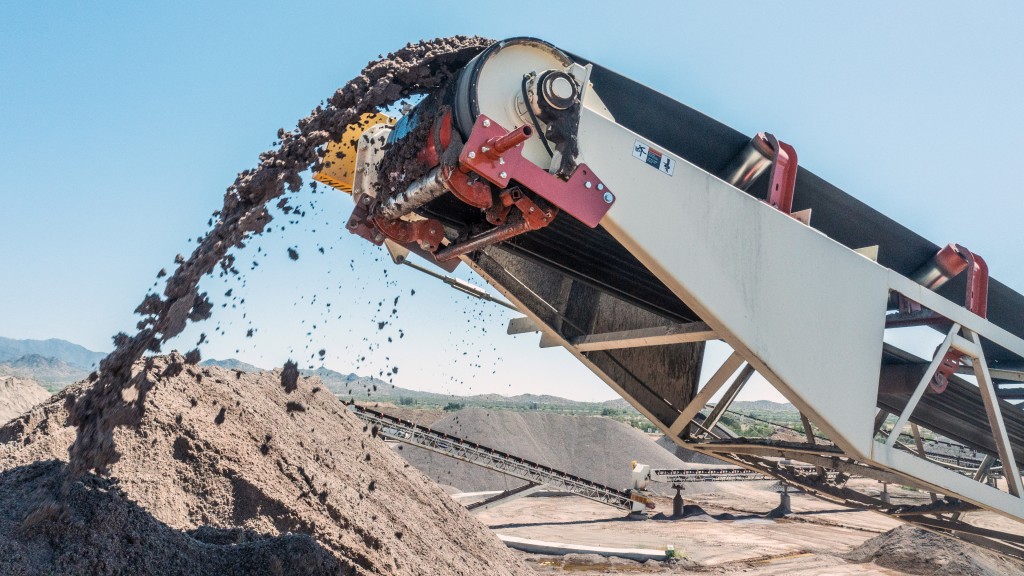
[
  {"x": 473, "y": 453},
  {"x": 594, "y": 257}
]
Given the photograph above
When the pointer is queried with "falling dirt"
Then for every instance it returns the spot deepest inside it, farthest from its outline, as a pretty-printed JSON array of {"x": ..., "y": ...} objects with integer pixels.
[{"x": 415, "y": 69}]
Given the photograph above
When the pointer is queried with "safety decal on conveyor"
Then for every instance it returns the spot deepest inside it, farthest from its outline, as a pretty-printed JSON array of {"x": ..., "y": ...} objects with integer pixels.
[{"x": 653, "y": 158}]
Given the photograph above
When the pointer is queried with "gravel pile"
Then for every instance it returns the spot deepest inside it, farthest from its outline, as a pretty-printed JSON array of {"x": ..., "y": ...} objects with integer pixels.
[
  {"x": 916, "y": 551},
  {"x": 228, "y": 473},
  {"x": 592, "y": 447}
]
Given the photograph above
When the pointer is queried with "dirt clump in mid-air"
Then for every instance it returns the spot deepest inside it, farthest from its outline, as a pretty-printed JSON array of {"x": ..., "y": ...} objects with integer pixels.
[
  {"x": 220, "y": 477},
  {"x": 18, "y": 395},
  {"x": 415, "y": 69},
  {"x": 916, "y": 551}
]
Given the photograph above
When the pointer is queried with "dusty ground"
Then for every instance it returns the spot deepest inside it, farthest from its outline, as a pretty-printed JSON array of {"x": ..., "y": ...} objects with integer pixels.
[
  {"x": 819, "y": 539},
  {"x": 232, "y": 460}
]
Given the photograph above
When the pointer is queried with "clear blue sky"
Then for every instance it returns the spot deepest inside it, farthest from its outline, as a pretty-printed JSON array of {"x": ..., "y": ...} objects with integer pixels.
[{"x": 121, "y": 123}]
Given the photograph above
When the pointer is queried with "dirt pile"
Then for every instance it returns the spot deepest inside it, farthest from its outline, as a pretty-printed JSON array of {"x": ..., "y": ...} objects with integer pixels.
[
  {"x": 917, "y": 551},
  {"x": 415, "y": 69},
  {"x": 592, "y": 447},
  {"x": 17, "y": 396},
  {"x": 227, "y": 473}
]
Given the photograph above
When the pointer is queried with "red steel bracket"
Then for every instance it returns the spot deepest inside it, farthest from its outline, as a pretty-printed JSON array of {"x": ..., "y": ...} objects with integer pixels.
[
  {"x": 426, "y": 233},
  {"x": 359, "y": 223},
  {"x": 497, "y": 155},
  {"x": 975, "y": 300},
  {"x": 782, "y": 182}
]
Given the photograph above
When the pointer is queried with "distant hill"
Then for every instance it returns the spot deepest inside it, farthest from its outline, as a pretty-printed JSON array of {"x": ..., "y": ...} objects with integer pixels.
[
  {"x": 67, "y": 352},
  {"x": 353, "y": 384},
  {"x": 368, "y": 388},
  {"x": 52, "y": 373},
  {"x": 231, "y": 364},
  {"x": 617, "y": 404},
  {"x": 749, "y": 406}
]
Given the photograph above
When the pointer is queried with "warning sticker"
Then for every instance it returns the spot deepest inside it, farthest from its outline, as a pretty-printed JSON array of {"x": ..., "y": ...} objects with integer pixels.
[{"x": 654, "y": 157}]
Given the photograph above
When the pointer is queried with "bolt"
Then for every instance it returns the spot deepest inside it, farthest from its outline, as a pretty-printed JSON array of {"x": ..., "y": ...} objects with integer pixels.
[
  {"x": 600, "y": 186},
  {"x": 608, "y": 198},
  {"x": 366, "y": 199},
  {"x": 503, "y": 175},
  {"x": 485, "y": 149},
  {"x": 501, "y": 160},
  {"x": 472, "y": 154},
  {"x": 532, "y": 209},
  {"x": 432, "y": 231},
  {"x": 588, "y": 184},
  {"x": 487, "y": 123}
]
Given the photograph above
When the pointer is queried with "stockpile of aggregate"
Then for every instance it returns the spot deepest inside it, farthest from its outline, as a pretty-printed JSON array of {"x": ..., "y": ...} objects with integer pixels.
[
  {"x": 916, "y": 551},
  {"x": 592, "y": 447},
  {"x": 229, "y": 473},
  {"x": 18, "y": 395}
]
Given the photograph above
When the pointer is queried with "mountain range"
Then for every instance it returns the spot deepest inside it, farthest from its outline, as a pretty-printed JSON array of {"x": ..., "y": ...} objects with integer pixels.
[
  {"x": 52, "y": 373},
  {"x": 67, "y": 352},
  {"x": 55, "y": 363}
]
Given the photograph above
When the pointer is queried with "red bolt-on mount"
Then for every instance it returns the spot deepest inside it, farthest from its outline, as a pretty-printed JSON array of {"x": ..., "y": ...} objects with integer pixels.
[
  {"x": 950, "y": 262},
  {"x": 496, "y": 155},
  {"x": 498, "y": 145},
  {"x": 782, "y": 181}
]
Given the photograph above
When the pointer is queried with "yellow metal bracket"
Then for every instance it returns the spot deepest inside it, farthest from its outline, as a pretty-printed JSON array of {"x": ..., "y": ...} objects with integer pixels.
[{"x": 339, "y": 161}]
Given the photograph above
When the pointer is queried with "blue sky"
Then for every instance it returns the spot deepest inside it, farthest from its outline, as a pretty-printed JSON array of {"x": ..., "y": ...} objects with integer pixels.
[{"x": 122, "y": 123}]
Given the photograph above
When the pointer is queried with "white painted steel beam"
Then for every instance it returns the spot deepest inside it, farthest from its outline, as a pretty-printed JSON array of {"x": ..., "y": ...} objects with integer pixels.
[
  {"x": 995, "y": 420},
  {"x": 657, "y": 336},
  {"x": 703, "y": 396},
  {"x": 522, "y": 325},
  {"x": 727, "y": 398},
  {"x": 922, "y": 386},
  {"x": 805, "y": 311}
]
